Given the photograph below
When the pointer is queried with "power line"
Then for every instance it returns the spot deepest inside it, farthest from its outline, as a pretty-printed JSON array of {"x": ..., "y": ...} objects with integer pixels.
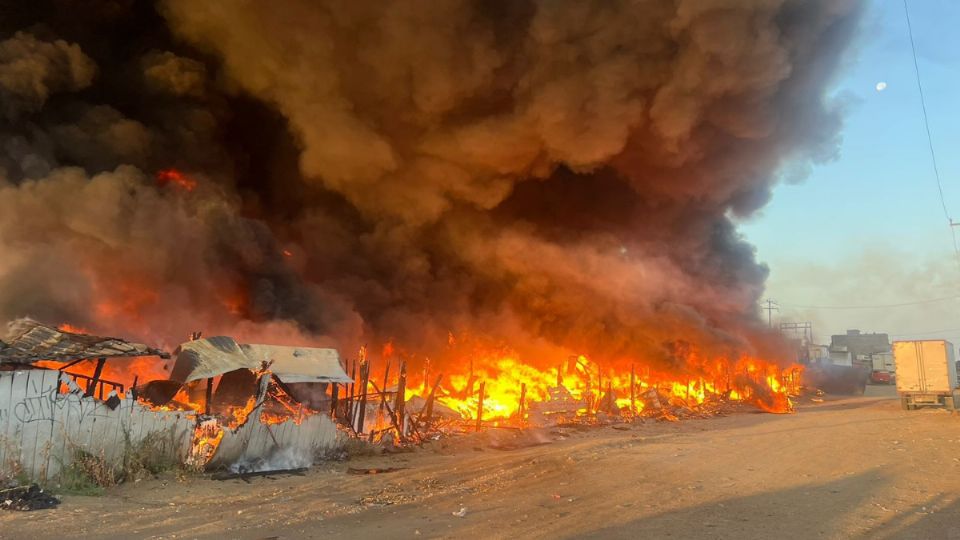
[
  {"x": 877, "y": 306},
  {"x": 770, "y": 306},
  {"x": 926, "y": 125}
]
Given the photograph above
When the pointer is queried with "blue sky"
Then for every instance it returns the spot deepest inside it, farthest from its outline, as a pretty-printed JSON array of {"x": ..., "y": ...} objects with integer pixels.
[{"x": 868, "y": 228}]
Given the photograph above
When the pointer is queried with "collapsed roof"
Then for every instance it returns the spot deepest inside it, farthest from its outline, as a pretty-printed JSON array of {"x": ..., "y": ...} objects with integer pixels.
[
  {"x": 209, "y": 357},
  {"x": 28, "y": 341}
]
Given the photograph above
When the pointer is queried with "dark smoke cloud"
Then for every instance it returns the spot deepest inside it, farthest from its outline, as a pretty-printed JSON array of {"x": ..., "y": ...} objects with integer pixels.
[
  {"x": 32, "y": 70},
  {"x": 557, "y": 176}
]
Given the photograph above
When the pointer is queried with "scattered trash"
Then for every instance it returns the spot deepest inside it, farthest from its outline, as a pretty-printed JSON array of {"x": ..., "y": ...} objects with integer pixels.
[
  {"x": 461, "y": 513},
  {"x": 26, "y": 498}
]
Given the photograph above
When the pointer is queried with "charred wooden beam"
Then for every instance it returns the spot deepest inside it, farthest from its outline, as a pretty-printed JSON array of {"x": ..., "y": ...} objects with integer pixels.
[
  {"x": 243, "y": 475},
  {"x": 364, "y": 376},
  {"x": 348, "y": 413},
  {"x": 209, "y": 397},
  {"x": 428, "y": 407},
  {"x": 97, "y": 371},
  {"x": 383, "y": 401},
  {"x": 384, "y": 382},
  {"x": 401, "y": 394}
]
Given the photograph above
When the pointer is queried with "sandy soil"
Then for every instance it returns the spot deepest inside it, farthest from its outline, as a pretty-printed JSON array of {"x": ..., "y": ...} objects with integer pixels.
[{"x": 845, "y": 468}]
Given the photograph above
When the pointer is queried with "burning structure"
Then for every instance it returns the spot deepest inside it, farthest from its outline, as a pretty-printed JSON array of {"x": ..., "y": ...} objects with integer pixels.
[
  {"x": 224, "y": 405},
  {"x": 505, "y": 193}
]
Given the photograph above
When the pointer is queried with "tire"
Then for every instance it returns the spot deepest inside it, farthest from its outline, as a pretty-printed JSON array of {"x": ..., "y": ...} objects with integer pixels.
[
  {"x": 948, "y": 403},
  {"x": 905, "y": 403}
]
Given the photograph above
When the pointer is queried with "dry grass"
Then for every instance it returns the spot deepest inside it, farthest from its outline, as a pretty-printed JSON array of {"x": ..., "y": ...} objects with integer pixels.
[
  {"x": 89, "y": 474},
  {"x": 11, "y": 470}
]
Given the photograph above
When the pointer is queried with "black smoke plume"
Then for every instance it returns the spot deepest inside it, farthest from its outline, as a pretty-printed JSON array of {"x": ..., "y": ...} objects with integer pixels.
[{"x": 555, "y": 176}]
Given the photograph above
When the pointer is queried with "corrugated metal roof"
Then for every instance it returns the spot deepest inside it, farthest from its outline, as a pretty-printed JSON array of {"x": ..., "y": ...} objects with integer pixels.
[
  {"x": 209, "y": 357},
  {"x": 300, "y": 364},
  {"x": 29, "y": 341}
]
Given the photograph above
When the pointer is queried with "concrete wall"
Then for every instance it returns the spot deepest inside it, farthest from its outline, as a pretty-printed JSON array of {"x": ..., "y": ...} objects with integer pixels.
[{"x": 41, "y": 428}]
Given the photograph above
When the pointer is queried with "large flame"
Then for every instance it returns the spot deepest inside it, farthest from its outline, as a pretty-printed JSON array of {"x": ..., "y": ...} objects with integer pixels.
[{"x": 505, "y": 379}]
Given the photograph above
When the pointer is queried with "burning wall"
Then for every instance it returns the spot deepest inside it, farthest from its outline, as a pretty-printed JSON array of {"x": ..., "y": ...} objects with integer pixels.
[{"x": 554, "y": 178}]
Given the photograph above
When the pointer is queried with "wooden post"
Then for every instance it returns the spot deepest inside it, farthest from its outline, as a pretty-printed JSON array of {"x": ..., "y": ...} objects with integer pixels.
[
  {"x": 133, "y": 387},
  {"x": 364, "y": 376},
  {"x": 334, "y": 391},
  {"x": 523, "y": 397},
  {"x": 92, "y": 383},
  {"x": 480, "y": 406},
  {"x": 633, "y": 389},
  {"x": 560, "y": 375},
  {"x": 383, "y": 400},
  {"x": 353, "y": 389},
  {"x": 401, "y": 397},
  {"x": 428, "y": 408},
  {"x": 384, "y": 382},
  {"x": 206, "y": 404}
]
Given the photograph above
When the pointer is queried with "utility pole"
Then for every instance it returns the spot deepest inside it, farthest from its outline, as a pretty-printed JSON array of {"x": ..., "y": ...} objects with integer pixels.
[{"x": 770, "y": 306}]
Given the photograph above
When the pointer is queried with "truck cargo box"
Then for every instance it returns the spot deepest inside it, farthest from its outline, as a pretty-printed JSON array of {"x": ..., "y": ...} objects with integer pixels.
[{"x": 926, "y": 372}]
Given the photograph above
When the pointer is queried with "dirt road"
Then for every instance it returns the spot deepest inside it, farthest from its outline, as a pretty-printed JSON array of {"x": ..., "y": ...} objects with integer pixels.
[{"x": 842, "y": 469}]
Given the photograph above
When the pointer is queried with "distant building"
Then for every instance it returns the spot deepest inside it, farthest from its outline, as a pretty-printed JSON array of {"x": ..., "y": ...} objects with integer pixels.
[
  {"x": 861, "y": 347},
  {"x": 818, "y": 354}
]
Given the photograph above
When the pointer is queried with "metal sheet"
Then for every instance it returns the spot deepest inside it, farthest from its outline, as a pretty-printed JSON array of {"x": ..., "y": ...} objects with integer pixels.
[
  {"x": 209, "y": 357},
  {"x": 29, "y": 341},
  {"x": 300, "y": 364}
]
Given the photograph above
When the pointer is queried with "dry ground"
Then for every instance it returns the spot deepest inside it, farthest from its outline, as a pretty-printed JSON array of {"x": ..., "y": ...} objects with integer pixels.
[{"x": 846, "y": 468}]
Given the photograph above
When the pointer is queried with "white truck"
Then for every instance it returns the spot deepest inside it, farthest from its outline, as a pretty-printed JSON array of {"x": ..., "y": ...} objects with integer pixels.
[{"x": 926, "y": 374}]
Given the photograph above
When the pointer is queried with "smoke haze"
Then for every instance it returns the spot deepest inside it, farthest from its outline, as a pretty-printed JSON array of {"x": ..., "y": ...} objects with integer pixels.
[{"x": 554, "y": 176}]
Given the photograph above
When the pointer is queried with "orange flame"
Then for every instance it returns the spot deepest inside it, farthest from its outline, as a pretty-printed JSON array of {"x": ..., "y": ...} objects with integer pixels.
[
  {"x": 177, "y": 179},
  {"x": 762, "y": 384}
]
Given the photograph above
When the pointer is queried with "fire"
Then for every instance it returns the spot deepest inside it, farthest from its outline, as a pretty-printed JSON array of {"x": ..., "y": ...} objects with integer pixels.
[
  {"x": 177, "y": 179},
  {"x": 509, "y": 386},
  {"x": 123, "y": 371},
  {"x": 71, "y": 329},
  {"x": 472, "y": 387}
]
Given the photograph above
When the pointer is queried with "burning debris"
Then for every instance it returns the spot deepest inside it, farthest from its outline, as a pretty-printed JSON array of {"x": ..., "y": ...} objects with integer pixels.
[
  {"x": 531, "y": 206},
  {"x": 254, "y": 408},
  {"x": 502, "y": 392},
  {"x": 224, "y": 404}
]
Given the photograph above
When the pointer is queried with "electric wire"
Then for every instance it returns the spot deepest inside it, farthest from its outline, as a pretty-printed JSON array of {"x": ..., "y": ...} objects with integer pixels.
[
  {"x": 876, "y": 306},
  {"x": 926, "y": 125}
]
